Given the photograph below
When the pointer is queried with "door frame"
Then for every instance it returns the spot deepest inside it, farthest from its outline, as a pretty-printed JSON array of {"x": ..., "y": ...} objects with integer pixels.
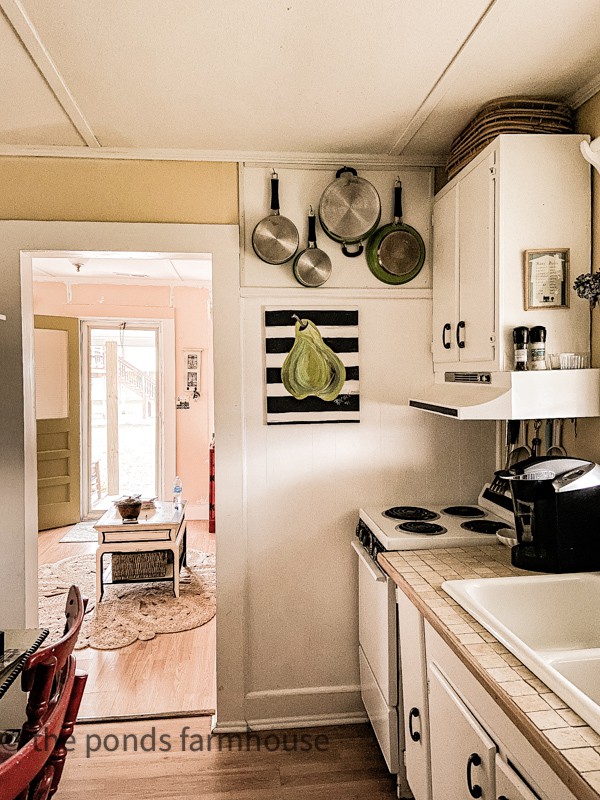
[
  {"x": 19, "y": 240},
  {"x": 166, "y": 442}
]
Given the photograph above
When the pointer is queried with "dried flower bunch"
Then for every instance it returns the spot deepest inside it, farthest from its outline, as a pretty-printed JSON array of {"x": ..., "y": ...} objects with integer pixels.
[{"x": 587, "y": 287}]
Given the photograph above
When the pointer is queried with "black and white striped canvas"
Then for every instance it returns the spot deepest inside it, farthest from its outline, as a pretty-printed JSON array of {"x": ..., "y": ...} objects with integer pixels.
[{"x": 339, "y": 331}]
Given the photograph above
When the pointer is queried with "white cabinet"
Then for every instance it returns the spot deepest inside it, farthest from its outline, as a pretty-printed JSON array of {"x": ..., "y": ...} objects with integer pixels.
[
  {"x": 473, "y": 741},
  {"x": 413, "y": 675},
  {"x": 522, "y": 192},
  {"x": 463, "y": 256},
  {"x": 462, "y": 754}
]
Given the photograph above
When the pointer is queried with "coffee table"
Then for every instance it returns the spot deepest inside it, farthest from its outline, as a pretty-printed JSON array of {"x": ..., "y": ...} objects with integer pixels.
[{"x": 162, "y": 528}]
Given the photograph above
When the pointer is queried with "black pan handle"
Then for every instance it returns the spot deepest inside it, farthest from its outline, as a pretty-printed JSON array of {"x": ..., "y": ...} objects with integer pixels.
[
  {"x": 460, "y": 327},
  {"x": 398, "y": 201},
  {"x": 475, "y": 790},
  {"x": 341, "y": 171},
  {"x": 352, "y": 253},
  {"x": 447, "y": 327},
  {"x": 413, "y": 714},
  {"x": 275, "y": 193},
  {"x": 312, "y": 230}
]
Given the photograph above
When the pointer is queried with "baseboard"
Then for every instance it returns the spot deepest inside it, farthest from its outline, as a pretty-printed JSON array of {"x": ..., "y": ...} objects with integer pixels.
[
  {"x": 318, "y": 721},
  {"x": 310, "y": 705},
  {"x": 305, "y": 707},
  {"x": 287, "y": 723},
  {"x": 234, "y": 726},
  {"x": 196, "y": 511}
]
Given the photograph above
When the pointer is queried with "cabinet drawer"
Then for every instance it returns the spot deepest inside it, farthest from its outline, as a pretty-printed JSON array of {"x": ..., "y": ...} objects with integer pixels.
[
  {"x": 133, "y": 536},
  {"x": 384, "y": 719}
]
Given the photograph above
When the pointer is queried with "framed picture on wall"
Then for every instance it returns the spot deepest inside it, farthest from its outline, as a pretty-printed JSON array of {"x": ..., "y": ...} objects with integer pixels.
[
  {"x": 192, "y": 364},
  {"x": 546, "y": 278}
]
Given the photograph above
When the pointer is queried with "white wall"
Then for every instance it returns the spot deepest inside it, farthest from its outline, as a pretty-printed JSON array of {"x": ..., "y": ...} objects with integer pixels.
[{"x": 304, "y": 484}]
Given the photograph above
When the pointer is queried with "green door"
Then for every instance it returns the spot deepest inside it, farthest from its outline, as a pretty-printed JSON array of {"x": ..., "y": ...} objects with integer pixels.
[{"x": 57, "y": 412}]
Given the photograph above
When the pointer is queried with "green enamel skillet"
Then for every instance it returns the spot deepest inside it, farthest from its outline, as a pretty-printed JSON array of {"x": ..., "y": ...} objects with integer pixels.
[{"x": 396, "y": 252}]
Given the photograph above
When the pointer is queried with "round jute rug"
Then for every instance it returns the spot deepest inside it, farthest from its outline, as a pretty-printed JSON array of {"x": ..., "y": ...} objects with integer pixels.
[{"x": 128, "y": 612}]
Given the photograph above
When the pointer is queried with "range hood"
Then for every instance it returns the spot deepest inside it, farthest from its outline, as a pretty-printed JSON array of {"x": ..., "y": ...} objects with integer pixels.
[{"x": 543, "y": 394}]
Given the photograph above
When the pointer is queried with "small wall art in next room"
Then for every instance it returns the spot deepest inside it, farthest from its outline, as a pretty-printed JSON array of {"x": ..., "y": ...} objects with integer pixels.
[{"x": 311, "y": 365}]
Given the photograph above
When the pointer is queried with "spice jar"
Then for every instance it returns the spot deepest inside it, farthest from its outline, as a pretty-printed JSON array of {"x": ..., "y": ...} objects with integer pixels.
[
  {"x": 537, "y": 338},
  {"x": 520, "y": 339}
]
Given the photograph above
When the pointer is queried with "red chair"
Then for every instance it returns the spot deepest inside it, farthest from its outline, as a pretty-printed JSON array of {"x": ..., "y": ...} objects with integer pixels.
[
  {"x": 34, "y": 770},
  {"x": 43, "y": 688}
]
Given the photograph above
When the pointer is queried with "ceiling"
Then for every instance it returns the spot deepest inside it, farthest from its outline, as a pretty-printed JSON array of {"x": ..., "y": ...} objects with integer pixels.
[
  {"x": 121, "y": 268},
  {"x": 223, "y": 78}
]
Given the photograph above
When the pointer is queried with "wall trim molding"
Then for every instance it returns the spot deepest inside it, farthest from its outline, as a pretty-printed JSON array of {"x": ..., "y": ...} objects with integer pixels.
[
  {"x": 392, "y": 293},
  {"x": 303, "y": 690},
  {"x": 309, "y": 721},
  {"x": 287, "y": 723},
  {"x": 333, "y": 160},
  {"x": 585, "y": 92}
]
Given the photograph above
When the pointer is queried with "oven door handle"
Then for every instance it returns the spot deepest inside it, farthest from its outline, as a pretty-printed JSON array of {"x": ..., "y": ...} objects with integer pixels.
[{"x": 376, "y": 572}]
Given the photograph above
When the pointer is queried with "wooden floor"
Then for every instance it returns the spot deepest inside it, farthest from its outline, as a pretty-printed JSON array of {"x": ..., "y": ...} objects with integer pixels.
[
  {"x": 171, "y": 674},
  {"x": 342, "y": 763}
]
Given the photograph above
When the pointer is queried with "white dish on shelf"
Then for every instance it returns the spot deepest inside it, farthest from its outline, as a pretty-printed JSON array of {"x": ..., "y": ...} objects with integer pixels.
[{"x": 507, "y": 536}]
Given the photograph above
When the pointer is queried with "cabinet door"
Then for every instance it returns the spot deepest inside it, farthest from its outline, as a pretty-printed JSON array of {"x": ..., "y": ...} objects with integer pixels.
[
  {"x": 462, "y": 754},
  {"x": 508, "y": 784},
  {"x": 445, "y": 277},
  {"x": 476, "y": 215},
  {"x": 413, "y": 676}
]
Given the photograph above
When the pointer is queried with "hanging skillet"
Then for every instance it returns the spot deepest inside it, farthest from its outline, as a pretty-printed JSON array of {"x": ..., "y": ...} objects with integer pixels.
[
  {"x": 275, "y": 238},
  {"x": 349, "y": 210},
  {"x": 312, "y": 267},
  {"x": 396, "y": 252}
]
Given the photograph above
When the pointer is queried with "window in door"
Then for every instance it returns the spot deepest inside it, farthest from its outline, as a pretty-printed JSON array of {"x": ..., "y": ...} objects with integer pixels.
[{"x": 123, "y": 412}]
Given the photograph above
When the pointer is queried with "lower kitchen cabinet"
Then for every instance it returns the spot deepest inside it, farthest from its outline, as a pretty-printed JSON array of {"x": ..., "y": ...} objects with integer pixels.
[
  {"x": 476, "y": 750},
  {"x": 462, "y": 754},
  {"x": 413, "y": 676},
  {"x": 459, "y": 743}
]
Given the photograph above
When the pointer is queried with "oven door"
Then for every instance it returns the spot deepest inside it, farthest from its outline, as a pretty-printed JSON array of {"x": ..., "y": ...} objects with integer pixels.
[{"x": 377, "y": 629}]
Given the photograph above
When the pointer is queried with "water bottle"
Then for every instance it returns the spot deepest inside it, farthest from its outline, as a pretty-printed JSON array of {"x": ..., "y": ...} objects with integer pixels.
[{"x": 177, "y": 490}]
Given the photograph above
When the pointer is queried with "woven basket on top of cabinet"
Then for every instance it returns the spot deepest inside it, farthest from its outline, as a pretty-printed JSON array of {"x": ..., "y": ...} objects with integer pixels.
[{"x": 507, "y": 115}]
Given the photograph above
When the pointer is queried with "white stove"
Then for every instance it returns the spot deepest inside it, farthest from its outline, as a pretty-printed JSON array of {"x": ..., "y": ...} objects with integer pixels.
[{"x": 424, "y": 526}]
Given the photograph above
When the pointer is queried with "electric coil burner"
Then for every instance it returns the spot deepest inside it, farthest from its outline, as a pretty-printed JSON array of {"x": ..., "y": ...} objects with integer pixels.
[
  {"x": 427, "y": 528},
  {"x": 464, "y": 511},
  {"x": 413, "y": 513},
  {"x": 484, "y": 526}
]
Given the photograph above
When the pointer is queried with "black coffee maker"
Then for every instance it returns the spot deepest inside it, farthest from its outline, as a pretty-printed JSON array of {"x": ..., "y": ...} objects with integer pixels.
[{"x": 556, "y": 502}]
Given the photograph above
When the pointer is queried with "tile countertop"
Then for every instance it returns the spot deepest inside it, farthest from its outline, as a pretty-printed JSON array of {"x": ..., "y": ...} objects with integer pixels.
[{"x": 565, "y": 741}]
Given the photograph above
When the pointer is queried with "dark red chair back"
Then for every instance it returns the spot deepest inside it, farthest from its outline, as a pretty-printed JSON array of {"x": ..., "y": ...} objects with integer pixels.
[
  {"x": 32, "y": 772},
  {"x": 42, "y": 687}
]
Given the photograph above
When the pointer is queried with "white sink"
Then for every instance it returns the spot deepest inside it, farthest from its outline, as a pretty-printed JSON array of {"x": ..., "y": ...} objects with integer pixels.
[{"x": 551, "y": 623}]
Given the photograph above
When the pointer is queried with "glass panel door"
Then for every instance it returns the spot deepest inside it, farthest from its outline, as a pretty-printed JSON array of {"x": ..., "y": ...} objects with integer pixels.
[{"x": 123, "y": 414}]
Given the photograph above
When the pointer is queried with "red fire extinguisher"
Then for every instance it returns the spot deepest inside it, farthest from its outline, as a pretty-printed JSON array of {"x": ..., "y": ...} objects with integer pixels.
[{"x": 211, "y": 487}]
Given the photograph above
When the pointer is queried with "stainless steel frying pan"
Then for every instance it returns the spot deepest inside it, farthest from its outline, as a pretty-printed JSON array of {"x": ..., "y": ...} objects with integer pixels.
[
  {"x": 312, "y": 267},
  {"x": 275, "y": 239}
]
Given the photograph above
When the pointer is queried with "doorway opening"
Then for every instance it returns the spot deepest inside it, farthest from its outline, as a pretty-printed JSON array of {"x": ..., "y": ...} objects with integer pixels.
[
  {"x": 122, "y": 412},
  {"x": 145, "y": 399}
]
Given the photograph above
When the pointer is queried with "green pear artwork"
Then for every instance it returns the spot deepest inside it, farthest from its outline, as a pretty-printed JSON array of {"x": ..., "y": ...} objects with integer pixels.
[{"x": 312, "y": 366}]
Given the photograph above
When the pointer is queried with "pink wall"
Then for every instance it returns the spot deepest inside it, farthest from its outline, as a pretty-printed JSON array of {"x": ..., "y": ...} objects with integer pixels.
[{"x": 193, "y": 330}]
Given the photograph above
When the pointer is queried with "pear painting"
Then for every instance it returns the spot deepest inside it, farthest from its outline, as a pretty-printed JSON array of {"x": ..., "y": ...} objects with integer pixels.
[{"x": 312, "y": 366}]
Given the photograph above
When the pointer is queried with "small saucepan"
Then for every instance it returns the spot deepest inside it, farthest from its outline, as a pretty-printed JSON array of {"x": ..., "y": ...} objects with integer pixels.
[
  {"x": 396, "y": 252},
  {"x": 312, "y": 267}
]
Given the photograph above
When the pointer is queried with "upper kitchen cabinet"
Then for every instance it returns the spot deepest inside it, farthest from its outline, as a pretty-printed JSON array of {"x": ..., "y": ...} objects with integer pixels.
[{"x": 522, "y": 192}]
